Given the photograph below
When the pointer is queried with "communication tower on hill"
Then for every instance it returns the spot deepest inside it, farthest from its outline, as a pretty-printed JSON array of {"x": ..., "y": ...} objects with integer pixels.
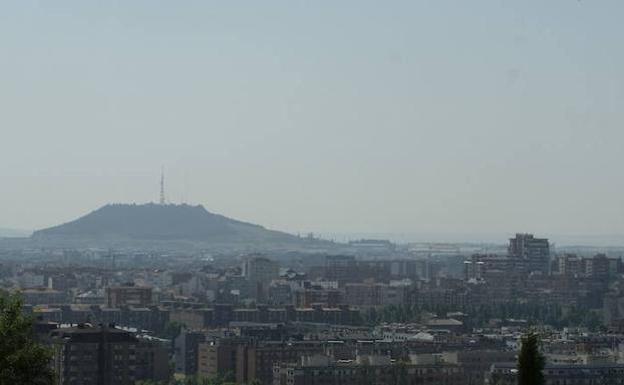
[{"x": 162, "y": 186}]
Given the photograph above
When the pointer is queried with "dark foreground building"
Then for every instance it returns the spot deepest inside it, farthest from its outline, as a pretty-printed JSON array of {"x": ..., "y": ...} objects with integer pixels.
[
  {"x": 557, "y": 374},
  {"x": 104, "y": 355},
  {"x": 367, "y": 370}
]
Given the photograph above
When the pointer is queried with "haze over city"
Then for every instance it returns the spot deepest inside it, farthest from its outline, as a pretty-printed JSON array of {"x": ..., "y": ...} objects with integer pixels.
[
  {"x": 344, "y": 117},
  {"x": 311, "y": 192}
]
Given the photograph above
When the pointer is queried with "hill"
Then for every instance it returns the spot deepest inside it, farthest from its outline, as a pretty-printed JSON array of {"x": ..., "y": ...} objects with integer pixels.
[{"x": 131, "y": 224}]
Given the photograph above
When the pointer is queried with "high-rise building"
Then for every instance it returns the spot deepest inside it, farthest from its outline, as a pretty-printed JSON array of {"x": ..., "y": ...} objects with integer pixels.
[
  {"x": 570, "y": 265},
  {"x": 186, "y": 347},
  {"x": 474, "y": 268},
  {"x": 259, "y": 272},
  {"x": 340, "y": 268},
  {"x": 597, "y": 267},
  {"x": 152, "y": 359},
  {"x": 94, "y": 355},
  {"x": 217, "y": 358},
  {"x": 534, "y": 253}
]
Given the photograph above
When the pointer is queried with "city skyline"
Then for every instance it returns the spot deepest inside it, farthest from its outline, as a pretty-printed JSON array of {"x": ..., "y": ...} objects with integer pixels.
[
  {"x": 491, "y": 238},
  {"x": 291, "y": 192}
]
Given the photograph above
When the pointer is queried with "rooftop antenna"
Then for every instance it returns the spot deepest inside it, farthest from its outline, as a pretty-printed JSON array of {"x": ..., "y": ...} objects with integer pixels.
[{"x": 162, "y": 185}]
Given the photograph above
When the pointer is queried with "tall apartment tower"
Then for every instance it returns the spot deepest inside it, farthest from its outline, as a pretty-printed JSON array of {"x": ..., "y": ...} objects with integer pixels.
[
  {"x": 341, "y": 268},
  {"x": 259, "y": 272},
  {"x": 94, "y": 355},
  {"x": 532, "y": 253}
]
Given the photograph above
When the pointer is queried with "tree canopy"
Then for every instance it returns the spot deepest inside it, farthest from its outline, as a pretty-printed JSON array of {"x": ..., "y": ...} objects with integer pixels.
[
  {"x": 22, "y": 359},
  {"x": 530, "y": 361}
]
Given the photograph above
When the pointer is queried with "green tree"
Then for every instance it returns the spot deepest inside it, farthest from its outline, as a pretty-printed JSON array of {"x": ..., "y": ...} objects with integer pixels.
[
  {"x": 22, "y": 359},
  {"x": 530, "y": 361},
  {"x": 172, "y": 330}
]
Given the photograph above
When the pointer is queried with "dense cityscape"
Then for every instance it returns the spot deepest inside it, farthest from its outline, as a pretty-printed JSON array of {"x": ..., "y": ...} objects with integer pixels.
[
  {"x": 378, "y": 313},
  {"x": 288, "y": 192}
]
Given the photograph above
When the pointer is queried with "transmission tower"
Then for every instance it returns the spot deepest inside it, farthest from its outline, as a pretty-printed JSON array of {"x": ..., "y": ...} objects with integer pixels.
[{"x": 162, "y": 186}]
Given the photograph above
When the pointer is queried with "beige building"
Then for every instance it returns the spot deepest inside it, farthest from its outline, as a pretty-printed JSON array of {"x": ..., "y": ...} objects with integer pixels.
[{"x": 137, "y": 296}]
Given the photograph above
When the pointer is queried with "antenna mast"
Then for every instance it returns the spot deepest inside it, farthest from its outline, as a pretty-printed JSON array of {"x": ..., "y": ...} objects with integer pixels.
[{"x": 162, "y": 186}]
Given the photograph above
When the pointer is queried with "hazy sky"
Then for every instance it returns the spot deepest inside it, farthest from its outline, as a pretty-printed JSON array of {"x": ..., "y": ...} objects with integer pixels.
[{"x": 344, "y": 116}]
